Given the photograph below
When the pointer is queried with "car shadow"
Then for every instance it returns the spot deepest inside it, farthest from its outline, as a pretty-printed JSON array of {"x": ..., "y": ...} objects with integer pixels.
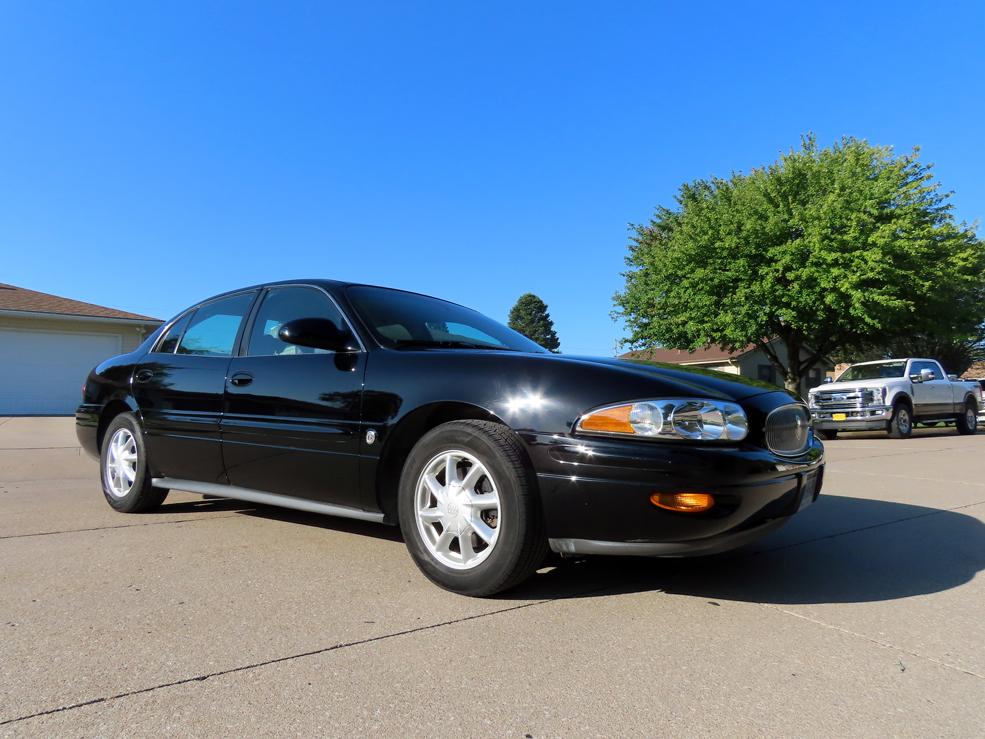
[
  {"x": 841, "y": 550},
  {"x": 274, "y": 513}
]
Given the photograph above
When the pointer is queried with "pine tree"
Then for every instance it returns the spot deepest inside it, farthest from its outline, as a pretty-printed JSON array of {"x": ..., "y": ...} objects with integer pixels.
[{"x": 530, "y": 317}]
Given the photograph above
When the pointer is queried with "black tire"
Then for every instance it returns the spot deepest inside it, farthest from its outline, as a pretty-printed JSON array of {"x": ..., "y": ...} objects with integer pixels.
[
  {"x": 141, "y": 496},
  {"x": 827, "y": 434},
  {"x": 520, "y": 546},
  {"x": 967, "y": 422},
  {"x": 900, "y": 426}
]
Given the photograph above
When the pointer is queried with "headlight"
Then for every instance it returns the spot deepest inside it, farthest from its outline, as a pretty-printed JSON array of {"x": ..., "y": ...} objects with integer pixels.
[
  {"x": 675, "y": 418},
  {"x": 874, "y": 396}
]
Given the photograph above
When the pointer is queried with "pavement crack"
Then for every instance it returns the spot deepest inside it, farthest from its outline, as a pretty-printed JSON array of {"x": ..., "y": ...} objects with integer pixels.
[
  {"x": 872, "y": 640},
  {"x": 120, "y": 526},
  {"x": 287, "y": 658}
]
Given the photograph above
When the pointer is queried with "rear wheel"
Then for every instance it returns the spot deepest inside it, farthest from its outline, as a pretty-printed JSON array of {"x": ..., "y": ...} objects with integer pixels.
[
  {"x": 828, "y": 435},
  {"x": 123, "y": 468},
  {"x": 967, "y": 422},
  {"x": 900, "y": 426},
  {"x": 468, "y": 508}
]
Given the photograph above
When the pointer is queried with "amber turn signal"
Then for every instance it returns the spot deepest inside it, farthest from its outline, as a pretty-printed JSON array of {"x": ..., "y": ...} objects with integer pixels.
[
  {"x": 610, "y": 420},
  {"x": 683, "y": 502}
]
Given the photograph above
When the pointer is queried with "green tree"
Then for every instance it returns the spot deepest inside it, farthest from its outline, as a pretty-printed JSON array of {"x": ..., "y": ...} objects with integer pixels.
[
  {"x": 529, "y": 317},
  {"x": 827, "y": 249}
]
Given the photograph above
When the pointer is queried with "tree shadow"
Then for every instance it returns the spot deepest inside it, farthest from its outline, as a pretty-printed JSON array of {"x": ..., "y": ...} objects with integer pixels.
[
  {"x": 841, "y": 550},
  {"x": 931, "y": 432}
]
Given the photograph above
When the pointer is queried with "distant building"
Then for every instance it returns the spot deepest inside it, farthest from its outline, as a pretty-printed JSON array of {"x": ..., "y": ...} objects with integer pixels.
[
  {"x": 975, "y": 372},
  {"x": 48, "y": 344},
  {"x": 748, "y": 362}
]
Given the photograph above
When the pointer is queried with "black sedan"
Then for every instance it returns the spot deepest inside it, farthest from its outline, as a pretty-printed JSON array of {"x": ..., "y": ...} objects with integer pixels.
[{"x": 486, "y": 450}]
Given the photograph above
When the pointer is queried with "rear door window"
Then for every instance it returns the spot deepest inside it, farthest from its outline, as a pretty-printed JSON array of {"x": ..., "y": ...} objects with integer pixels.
[
  {"x": 214, "y": 327},
  {"x": 169, "y": 342}
]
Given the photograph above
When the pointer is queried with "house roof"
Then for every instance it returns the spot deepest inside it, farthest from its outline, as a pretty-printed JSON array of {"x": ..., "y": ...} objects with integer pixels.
[
  {"x": 975, "y": 371},
  {"x": 20, "y": 299},
  {"x": 682, "y": 356}
]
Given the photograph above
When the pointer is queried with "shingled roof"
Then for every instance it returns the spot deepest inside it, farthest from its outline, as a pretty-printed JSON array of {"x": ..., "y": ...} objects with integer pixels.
[
  {"x": 682, "y": 356},
  {"x": 13, "y": 298}
]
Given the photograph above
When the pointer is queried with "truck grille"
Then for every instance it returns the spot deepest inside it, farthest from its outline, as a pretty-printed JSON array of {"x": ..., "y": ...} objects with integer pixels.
[
  {"x": 788, "y": 430},
  {"x": 834, "y": 399}
]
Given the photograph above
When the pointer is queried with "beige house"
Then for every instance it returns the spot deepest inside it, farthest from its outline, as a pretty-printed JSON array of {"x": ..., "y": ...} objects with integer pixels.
[
  {"x": 48, "y": 344},
  {"x": 748, "y": 362}
]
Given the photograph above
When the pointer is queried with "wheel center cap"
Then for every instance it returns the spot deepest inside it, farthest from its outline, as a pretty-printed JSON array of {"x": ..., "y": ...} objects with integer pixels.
[{"x": 453, "y": 508}]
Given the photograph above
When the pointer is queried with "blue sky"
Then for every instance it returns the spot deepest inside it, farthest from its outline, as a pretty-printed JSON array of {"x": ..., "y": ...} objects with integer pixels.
[{"x": 154, "y": 154}]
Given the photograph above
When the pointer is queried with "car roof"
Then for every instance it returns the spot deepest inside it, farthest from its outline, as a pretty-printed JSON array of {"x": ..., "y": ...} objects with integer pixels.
[
  {"x": 322, "y": 282},
  {"x": 894, "y": 359}
]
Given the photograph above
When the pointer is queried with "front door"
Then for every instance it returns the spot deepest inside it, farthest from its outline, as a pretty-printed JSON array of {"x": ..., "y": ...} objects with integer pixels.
[
  {"x": 931, "y": 397},
  {"x": 291, "y": 419},
  {"x": 179, "y": 387}
]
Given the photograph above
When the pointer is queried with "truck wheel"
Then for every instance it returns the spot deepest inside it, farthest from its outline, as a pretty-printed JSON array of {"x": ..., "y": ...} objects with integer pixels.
[
  {"x": 900, "y": 426},
  {"x": 828, "y": 435},
  {"x": 967, "y": 422}
]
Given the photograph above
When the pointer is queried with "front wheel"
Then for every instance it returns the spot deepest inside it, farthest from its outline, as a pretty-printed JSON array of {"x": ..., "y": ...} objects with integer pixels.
[
  {"x": 967, "y": 422},
  {"x": 123, "y": 468},
  {"x": 468, "y": 508},
  {"x": 900, "y": 426}
]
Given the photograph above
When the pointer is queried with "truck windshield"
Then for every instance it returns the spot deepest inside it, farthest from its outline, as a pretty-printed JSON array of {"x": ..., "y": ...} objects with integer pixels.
[{"x": 875, "y": 371}]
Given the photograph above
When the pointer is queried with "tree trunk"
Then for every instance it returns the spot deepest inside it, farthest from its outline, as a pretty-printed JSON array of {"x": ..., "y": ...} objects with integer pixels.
[
  {"x": 791, "y": 378},
  {"x": 791, "y": 381}
]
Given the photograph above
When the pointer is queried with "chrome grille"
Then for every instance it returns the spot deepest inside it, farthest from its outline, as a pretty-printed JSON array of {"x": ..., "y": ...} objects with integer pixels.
[
  {"x": 788, "y": 430},
  {"x": 846, "y": 398}
]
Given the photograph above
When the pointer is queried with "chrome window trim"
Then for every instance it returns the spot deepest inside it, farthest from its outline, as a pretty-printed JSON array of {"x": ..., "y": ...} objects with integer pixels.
[{"x": 167, "y": 329}]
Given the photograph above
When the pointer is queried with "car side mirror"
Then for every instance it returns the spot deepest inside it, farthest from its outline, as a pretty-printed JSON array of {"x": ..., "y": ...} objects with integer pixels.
[
  {"x": 318, "y": 333},
  {"x": 927, "y": 375},
  {"x": 828, "y": 379}
]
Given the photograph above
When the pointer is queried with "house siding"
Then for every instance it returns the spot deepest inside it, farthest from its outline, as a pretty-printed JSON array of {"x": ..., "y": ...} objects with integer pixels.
[{"x": 130, "y": 335}]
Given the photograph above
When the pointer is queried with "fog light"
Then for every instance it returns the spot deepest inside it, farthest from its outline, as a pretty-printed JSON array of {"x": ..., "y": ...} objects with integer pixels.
[{"x": 683, "y": 502}]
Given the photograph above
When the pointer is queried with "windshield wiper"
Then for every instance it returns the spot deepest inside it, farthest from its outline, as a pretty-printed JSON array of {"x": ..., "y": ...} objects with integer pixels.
[{"x": 437, "y": 344}]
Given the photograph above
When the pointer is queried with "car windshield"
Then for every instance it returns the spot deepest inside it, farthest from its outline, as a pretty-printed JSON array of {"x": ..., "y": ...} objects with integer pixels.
[
  {"x": 873, "y": 371},
  {"x": 402, "y": 320}
]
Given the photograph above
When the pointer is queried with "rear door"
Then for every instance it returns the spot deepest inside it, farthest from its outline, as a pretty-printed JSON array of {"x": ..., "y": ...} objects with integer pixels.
[
  {"x": 179, "y": 388},
  {"x": 291, "y": 419}
]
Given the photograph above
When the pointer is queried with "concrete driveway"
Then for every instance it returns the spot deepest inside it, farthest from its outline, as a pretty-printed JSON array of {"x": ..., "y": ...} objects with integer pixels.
[{"x": 864, "y": 616}]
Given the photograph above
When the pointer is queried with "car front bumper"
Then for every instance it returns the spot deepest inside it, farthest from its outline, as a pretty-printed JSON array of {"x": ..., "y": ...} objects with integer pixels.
[
  {"x": 595, "y": 494},
  {"x": 861, "y": 418}
]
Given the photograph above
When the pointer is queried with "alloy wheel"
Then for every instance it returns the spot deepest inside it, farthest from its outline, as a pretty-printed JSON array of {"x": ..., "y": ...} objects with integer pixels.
[
  {"x": 121, "y": 463},
  {"x": 457, "y": 509},
  {"x": 903, "y": 421}
]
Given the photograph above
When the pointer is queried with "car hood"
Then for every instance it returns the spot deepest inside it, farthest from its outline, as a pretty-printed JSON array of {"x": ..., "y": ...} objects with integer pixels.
[{"x": 681, "y": 380}]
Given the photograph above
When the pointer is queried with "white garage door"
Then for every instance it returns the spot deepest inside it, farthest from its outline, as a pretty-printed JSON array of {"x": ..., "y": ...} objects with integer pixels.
[{"x": 41, "y": 372}]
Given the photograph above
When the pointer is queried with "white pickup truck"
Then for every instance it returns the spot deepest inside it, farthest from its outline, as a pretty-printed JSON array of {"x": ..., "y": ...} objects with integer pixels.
[{"x": 894, "y": 394}]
